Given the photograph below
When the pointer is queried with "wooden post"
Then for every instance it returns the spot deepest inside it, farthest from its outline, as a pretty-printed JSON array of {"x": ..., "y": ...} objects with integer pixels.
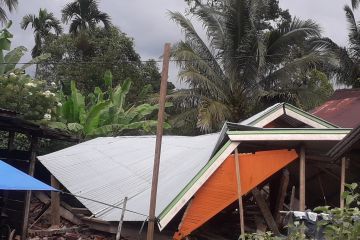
[
  {"x": 55, "y": 203},
  {"x": 292, "y": 199},
  {"x": 11, "y": 139},
  {"x": 34, "y": 143},
  {"x": 302, "y": 179},
  {"x": 159, "y": 133},
  {"x": 265, "y": 210},
  {"x": 239, "y": 192},
  {"x": 284, "y": 182},
  {"x": 342, "y": 181},
  {"x": 118, "y": 234}
]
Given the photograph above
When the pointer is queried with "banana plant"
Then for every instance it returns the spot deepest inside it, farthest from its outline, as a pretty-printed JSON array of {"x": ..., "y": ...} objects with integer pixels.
[
  {"x": 105, "y": 114},
  {"x": 9, "y": 60}
]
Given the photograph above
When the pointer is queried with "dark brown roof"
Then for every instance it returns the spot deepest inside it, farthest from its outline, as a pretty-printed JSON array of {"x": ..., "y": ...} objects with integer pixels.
[
  {"x": 345, "y": 146},
  {"x": 342, "y": 109},
  {"x": 11, "y": 121}
]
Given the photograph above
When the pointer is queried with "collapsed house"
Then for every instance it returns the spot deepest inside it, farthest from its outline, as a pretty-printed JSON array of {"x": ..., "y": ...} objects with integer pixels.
[
  {"x": 198, "y": 181},
  {"x": 15, "y": 205}
]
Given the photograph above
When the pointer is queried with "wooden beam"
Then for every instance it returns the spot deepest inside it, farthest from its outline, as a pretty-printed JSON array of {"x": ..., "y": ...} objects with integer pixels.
[
  {"x": 159, "y": 133},
  {"x": 284, "y": 183},
  {"x": 239, "y": 192},
  {"x": 55, "y": 203},
  {"x": 302, "y": 179},
  {"x": 33, "y": 149},
  {"x": 342, "y": 181},
  {"x": 264, "y": 208},
  {"x": 64, "y": 213}
]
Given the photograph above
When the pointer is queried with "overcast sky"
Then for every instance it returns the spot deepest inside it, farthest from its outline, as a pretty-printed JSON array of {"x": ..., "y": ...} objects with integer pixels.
[{"x": 147, "y": 21}]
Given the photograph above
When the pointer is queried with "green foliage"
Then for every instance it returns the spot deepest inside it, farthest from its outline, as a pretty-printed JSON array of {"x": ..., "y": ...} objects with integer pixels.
[
  {"x": 18, "y": 91},
  {"x": 103, "y": 113},
  {"x": 10, "y": 5},
  {"x": 344, "y": 223},
  {"x": 42, "y": 24},
  {"x": 85, "y": 58},
  {"x": 84, "y": 15},
  {"x": 251, "y": 56}
]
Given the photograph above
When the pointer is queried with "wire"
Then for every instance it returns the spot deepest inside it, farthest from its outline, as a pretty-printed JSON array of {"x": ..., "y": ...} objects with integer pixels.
[
  {"x": 133, "y": 61},
  {"x": 106, "y": 204}
]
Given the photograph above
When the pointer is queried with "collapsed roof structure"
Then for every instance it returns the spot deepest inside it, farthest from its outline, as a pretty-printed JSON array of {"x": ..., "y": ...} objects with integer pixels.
[{"x": 195, "y": 168}]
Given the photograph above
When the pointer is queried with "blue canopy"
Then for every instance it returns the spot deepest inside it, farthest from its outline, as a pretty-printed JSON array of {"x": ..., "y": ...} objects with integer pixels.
[{"x": 14, "y": 179}]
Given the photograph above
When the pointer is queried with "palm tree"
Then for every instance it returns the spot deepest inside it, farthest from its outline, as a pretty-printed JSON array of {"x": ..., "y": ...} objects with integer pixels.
[
  {"x": 346, "y": 63},
  {"x": 239, "y": 62},
  {"x": 42, "y": 25},
  {"x": 84, "y": 14},
  {"x": 10, "y": 5}
]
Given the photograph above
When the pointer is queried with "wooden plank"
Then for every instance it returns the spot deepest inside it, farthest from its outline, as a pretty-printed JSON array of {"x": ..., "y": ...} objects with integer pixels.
[
  {"x": 265, "y": 210},
  {"x": 64, "y": 213},
  {"x": 239, "y": 192},
  {"x": 159, "y": 133},
  {"x": 34, "y": 145},
  {"x": 284, "y": 183},
  {"x": 302, "y": 179},
  {"x": 342, "y": 181},
  {"x": 55, "y": 203}
]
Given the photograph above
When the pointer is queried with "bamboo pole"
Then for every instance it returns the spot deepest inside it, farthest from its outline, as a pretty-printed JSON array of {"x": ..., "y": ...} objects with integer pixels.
[
  {"x": 342, "y": 181},
  {"x": 55, "y": 203},
  {"x": 118, "y": 234},
  {"x": 159, "y": 133},
  {"x": 34, "y": 143},
  {"x": 302, "y": 180},
  {"x": 239, "y": 191}
]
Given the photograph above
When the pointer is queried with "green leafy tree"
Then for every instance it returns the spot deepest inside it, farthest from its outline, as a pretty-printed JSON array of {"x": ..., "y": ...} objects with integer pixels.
[
  {"x": 18, "y": 91},
  {"x": 104, "y": 113},
  {"x": 86, "y": 59},
  {"x": 10, "y": 5},
  {"x": 240, "y": 61},
  {"x": 84, "y": 15},
  {"x": 42, "y": 25}
]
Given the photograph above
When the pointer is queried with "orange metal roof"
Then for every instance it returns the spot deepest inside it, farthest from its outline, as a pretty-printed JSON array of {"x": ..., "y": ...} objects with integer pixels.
[{"x": 220, "y": 190}]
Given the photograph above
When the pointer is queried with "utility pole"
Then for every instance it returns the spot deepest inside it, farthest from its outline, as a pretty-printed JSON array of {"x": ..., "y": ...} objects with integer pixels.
[{"x": 159, "y": 133}]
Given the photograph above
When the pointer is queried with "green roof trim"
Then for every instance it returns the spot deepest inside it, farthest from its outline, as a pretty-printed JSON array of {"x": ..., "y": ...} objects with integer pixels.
[
  {"x": 296, "y": 110},
  {"x": 193, "y": 181},
  {"x": 292, "y": 131},
  {"x": 311, "y": 116}
]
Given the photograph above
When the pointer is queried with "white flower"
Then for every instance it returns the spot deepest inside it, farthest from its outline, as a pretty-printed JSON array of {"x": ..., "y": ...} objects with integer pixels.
[
  {"x": 53, "y": 94},
  {"x": 53, "y": 84},
  {"x": 12, "y": 75},
  {"x": 59, "y": 104},
  {"x": 30, "y": 93},
  {"x": 30, "y": 84},
  {"x": 47, "y": 93},
  {"x": 47, "y": 116}
]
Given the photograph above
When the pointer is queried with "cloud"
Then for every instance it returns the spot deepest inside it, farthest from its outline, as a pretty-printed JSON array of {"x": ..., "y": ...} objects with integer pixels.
[{"x": 149, "y": 24}]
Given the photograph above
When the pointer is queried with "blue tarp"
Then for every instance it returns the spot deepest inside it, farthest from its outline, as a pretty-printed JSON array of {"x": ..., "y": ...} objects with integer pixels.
[{"x": 14, "y": 179}]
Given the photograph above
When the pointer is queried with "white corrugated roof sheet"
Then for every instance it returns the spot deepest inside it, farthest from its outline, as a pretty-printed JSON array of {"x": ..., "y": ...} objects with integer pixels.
[{"x": 109, "y": 168}]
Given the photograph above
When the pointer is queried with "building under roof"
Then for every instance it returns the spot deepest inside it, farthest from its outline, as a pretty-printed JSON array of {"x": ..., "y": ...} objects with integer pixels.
[
  {"x": 109, "y": 169},
  {"x": 342, "y": 109}
]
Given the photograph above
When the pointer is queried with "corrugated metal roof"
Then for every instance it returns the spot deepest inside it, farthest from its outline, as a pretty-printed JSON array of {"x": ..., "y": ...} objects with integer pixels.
[
  {"x": 110, "y": 168},
  {"x": 342, "y": 108}
]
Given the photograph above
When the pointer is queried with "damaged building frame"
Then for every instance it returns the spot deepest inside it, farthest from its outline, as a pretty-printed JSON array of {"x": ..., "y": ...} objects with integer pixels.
[{"x": 281, "y": 155}]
